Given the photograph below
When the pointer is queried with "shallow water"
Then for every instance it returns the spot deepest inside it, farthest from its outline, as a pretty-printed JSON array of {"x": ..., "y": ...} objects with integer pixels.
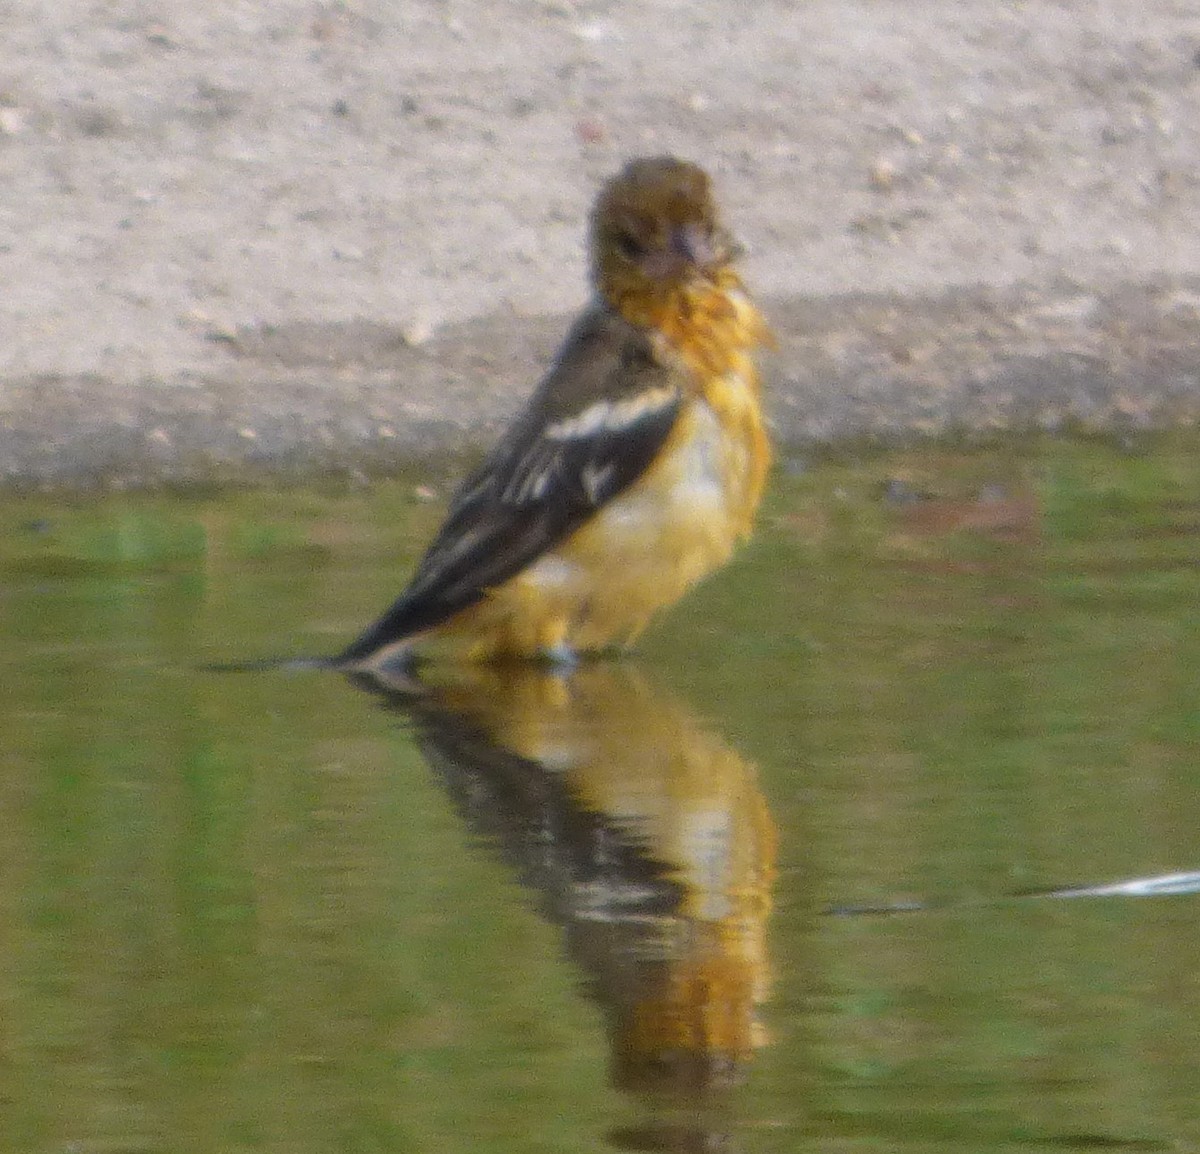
[{"x": 770, "y": 885}]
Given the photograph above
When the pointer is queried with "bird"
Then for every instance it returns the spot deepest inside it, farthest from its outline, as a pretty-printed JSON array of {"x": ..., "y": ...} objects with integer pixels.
[{"x": 633, "y": 470}]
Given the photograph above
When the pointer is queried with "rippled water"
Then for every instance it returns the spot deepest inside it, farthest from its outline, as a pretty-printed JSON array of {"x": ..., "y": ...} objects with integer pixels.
[{"x": 777, "y": 883}]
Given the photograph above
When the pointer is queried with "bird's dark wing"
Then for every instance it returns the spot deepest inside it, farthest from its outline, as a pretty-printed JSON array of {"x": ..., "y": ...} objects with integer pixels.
[{"x": 594, "y": 425}]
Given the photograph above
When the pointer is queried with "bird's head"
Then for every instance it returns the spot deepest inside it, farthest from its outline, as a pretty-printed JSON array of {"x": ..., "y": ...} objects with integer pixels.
[{"x": 654, "y": 232}]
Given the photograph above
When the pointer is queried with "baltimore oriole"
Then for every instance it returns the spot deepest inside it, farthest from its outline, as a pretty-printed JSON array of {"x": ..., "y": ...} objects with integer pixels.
[{"x": 632, "y": 471}]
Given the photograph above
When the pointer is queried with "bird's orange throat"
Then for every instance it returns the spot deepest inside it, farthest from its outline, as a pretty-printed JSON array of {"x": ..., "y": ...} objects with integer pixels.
[{"x": 711, "y": 325}]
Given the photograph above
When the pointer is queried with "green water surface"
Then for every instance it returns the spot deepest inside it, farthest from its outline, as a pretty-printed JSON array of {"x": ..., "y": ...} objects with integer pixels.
[{"x": 269, "y": 911}]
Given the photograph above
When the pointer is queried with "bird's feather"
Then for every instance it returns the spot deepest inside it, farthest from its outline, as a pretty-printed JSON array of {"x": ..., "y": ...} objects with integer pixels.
[{"x": 594, "y": 425}]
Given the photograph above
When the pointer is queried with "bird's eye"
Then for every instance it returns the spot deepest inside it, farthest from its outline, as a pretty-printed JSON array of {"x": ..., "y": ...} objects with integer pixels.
[{"x": 629, "y": 246}]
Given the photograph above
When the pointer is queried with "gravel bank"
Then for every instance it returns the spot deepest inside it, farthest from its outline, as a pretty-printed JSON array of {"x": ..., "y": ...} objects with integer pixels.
[{"x": 247, "y": 240}]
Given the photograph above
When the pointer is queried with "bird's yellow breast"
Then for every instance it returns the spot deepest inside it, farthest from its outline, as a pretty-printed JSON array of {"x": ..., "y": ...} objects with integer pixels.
[{"x": 645, "y": 549}]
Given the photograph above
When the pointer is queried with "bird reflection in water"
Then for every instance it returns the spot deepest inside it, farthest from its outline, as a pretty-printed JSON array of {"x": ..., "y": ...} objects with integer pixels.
[{"x": 647, "y": 839}]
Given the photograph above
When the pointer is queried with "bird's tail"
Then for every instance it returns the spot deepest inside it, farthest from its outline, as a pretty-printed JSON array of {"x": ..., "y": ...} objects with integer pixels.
[{"x": 387, "y": 636}]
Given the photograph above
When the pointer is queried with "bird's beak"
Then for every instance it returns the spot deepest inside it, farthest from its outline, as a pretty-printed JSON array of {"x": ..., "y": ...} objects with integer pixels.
[
  {"x": 694, "y": 244},
  {"x": 690, "y": 249}
]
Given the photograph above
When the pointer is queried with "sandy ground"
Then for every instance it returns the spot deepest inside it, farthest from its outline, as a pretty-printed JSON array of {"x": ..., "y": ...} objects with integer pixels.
[{"x": 243, "y": 239}]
